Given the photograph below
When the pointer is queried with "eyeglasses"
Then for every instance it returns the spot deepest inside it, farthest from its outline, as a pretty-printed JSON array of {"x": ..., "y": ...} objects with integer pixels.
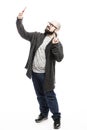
[{"x": 52, "y": 25}]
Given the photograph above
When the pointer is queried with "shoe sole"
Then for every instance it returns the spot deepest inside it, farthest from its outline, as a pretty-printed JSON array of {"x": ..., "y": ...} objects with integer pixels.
[
  {"x": 57, "y": 127},
  {"x": 41, "y": 120}
]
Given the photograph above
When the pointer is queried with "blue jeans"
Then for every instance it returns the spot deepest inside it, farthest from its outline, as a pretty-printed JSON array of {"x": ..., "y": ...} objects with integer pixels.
[{"x": 47, "y": 100}]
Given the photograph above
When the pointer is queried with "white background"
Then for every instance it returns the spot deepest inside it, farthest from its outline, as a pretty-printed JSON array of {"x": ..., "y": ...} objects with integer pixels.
[{"x": 18, "y": 103}]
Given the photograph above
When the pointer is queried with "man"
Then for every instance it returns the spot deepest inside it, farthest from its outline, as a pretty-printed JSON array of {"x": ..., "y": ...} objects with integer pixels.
[{"x": 45, "y": 50}]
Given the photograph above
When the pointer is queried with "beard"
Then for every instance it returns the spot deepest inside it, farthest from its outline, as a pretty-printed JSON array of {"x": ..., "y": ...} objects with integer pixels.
[{"x": 47, "y": 32}]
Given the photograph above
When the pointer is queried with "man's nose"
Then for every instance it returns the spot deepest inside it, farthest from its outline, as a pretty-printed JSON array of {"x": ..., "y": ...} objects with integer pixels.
[{"x": 48, "y": 26}]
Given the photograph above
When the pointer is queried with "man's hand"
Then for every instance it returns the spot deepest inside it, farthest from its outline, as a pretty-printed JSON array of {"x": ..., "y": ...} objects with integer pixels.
[
  {"x": 55, "y": 40},
  {"x": 20, "y": 15}
]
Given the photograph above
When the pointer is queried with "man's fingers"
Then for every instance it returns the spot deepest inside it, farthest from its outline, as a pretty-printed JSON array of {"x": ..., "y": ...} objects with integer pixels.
[
  {"x": 24, "y": 9},
  {"x": 20, "y": 15},
  {"x": 55, "y": 40}
]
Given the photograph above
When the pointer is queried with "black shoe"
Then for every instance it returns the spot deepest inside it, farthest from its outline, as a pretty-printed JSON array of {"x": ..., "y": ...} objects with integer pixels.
[
  {"x": 41, "y": 118},
  {"x": 57, "y": 118},
  {"x": 57, "y": 124}
]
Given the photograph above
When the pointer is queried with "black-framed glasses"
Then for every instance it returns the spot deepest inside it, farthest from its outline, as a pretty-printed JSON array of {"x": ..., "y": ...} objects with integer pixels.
[{"x": 52, "y": 25}]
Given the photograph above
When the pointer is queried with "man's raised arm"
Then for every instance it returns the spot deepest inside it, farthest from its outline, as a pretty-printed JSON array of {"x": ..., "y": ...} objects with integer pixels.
[{"x": 24, "y": 34}]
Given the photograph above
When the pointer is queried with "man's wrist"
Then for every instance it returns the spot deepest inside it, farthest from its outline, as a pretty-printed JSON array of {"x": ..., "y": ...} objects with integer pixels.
[{"x": 19, "y": 17}]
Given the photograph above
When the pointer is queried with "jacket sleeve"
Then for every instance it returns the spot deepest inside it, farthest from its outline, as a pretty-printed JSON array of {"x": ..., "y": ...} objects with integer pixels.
[
  {"x": 57, "y": 51},
  {"x": 24, "y": 34}
]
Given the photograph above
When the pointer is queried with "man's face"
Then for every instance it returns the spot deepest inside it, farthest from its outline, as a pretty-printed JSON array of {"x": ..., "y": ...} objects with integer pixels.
[{"x": 50, "y": 29}]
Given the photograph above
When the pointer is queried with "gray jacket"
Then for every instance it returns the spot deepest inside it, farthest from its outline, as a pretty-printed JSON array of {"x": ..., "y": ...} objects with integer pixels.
[{"x": 54, "y": 52}]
